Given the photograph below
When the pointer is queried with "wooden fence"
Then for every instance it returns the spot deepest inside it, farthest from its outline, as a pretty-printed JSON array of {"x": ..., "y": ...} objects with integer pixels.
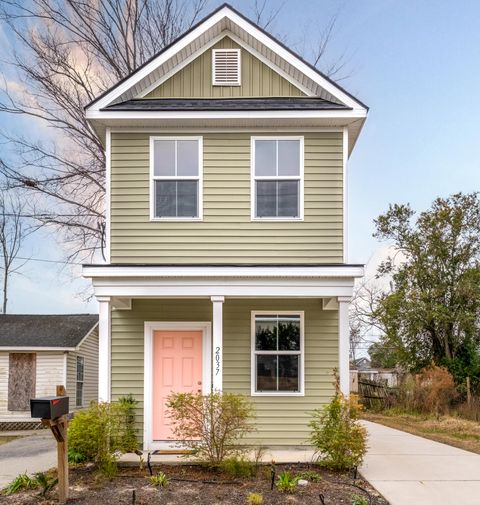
[{"x": 374, "y": 394}]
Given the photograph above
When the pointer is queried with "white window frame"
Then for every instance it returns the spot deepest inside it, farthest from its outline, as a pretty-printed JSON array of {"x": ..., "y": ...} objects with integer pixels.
[
  {"x": 231, "y": 83},
  {"x": 77, "y": 358},
  {"x": 154, "y": 178},
  {"x": 254, "y": 352},
  {"x": 254, "y": 178}
]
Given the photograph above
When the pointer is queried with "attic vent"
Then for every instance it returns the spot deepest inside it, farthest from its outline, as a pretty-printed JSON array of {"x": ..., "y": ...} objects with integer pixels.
[{"x": 226, "y": 67}]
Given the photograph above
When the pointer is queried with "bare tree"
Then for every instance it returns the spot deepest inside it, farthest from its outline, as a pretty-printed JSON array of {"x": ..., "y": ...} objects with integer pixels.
[
  {"x": 67, "y": 53},
  {"x": 13, "y": 231}
]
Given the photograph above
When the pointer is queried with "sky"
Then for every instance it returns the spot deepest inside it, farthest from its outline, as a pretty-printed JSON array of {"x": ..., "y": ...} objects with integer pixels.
[{"x": 415, "y": 63}]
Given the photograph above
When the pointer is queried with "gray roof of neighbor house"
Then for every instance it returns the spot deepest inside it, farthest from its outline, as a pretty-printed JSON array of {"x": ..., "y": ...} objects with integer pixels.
[
  {"x": 32, "y": 330},
  {"x": 265, "y": 103}
]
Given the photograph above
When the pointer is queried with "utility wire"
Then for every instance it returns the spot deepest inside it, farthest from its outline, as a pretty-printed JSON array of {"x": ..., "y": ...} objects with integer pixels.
[{"x": 45, "y": 260}]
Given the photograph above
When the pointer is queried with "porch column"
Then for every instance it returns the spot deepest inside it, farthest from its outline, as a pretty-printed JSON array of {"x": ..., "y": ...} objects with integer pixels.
[
  {"x": 217, "y": 342},
  {"x": 104, "y": 348},
  {"x": 344, "y": 344}
]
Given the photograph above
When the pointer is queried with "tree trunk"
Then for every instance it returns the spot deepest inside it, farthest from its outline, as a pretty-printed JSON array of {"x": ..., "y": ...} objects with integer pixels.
[{"x": 5, "y": 289}]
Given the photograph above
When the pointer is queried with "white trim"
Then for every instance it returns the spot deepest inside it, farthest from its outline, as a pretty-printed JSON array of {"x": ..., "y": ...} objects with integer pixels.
[
  {"x": 65, "y": 365},
  {"x": 181, "y": 131},
  {"x": 104, "y": 349},
  {"x": 199, "y": 178},
  {"x": 228, "y": 114},
  {"x": 253, "y": 352},
  {"x": 254, "y": 178},
  {"x": 344, "y": 344},
  {"x": 345, "y": 195},
  {"x": 149, "y": 328},
  {"x": 272, "y": 272},
  {"x": 217, "y": 341},
  {"x": 238, "y": 52},
  {"x": 263, "y": 38},
  {"x": 108, "y": 151}
]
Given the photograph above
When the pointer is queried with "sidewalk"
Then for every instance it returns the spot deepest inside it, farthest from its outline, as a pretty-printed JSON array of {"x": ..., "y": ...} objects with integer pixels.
[
  {"x": 411, "y": 470},
  {"x": 34, "y": 453}
]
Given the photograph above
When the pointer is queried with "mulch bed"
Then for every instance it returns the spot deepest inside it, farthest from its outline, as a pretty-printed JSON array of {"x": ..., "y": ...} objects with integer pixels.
[{"x": 188, "y": 486}]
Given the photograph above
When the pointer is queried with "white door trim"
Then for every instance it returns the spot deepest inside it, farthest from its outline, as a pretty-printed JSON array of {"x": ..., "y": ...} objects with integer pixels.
[{"x": 150, "y": 326}]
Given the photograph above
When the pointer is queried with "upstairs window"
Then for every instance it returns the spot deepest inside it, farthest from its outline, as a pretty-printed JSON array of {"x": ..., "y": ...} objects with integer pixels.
[
  {"x": 176, "y": 177},
  {"x": 226, "y": 67},
  {"x": 277, "y": 185}
]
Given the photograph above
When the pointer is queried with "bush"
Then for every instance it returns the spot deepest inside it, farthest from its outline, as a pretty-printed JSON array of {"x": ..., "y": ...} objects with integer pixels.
[
  {"x": 337, "y": 433},
  {"x": 434, "y": 390},
  {"x": 100, "y": 432},
  {"x": 286, "y": 482},
  {"x": 159, "y": 480},
  {"x": 239, "y": 466},
  {"x": 211, "y": 425},
  {"x": 20, "y": 482},
  {"x": 255, "y": 499}
]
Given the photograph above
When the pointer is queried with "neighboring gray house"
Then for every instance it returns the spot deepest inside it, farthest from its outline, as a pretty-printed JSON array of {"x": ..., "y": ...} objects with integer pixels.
[{"x": 39, "y": 352}]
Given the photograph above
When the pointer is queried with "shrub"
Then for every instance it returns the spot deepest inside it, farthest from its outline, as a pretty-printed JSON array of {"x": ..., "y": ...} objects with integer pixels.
[
  {"x": 337, "y": 433},
  {"x": 211, "y": 425},
  {"x": 239, "y": 466},
  {"x": 159, "y": 480},
  {"x": 75, "y": 457},
  {"x": 434, "y": 390},
  {"x": 310, "y": 475},
  {"x": 20, "y": 482},
  {"x": 255, "y": 499},
  {"x": 45, "y": 483},
  {"x": 359, "y": 500},
  {"x": 100, "y": 432},
  {"x": 286, "y": 482}
]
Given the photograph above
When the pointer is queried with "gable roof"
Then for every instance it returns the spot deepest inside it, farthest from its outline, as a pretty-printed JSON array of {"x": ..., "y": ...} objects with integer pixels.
[
  {"x": 45, "y": 331},
  {"x": 212, "y": 28}
]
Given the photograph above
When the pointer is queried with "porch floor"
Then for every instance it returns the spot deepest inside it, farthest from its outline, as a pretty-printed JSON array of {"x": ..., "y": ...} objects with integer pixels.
[{"x": 283, "y": 454}]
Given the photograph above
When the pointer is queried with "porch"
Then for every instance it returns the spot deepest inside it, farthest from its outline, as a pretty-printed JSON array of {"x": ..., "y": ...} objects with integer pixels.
[{"x": 222, "y": 302}]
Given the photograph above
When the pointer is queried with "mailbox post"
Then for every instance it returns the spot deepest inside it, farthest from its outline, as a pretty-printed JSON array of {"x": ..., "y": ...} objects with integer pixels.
[{"x": 53, "y": 411}]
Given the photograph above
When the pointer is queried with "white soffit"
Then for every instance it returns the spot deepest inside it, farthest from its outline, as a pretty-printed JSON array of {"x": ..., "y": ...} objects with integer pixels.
[{"x": 220, "y": 24}]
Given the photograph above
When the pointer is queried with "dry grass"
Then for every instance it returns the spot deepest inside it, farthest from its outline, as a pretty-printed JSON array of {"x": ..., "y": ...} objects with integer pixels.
[{"x": 449, "y": 430}]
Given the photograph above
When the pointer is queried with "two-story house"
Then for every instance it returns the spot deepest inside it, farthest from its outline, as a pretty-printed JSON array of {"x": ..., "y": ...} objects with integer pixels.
[{"x": 226, "y": 229}]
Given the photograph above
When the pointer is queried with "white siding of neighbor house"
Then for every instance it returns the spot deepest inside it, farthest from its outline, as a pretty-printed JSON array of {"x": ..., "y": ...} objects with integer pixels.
[
  {"x": 89, "y": 350},
  {"x": 50, "y": 371}
]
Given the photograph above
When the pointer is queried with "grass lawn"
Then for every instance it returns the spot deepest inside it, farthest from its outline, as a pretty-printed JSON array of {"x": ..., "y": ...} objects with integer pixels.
[
  {"x": 449, "y": 430},
  {"x": 190, "y": 484}
]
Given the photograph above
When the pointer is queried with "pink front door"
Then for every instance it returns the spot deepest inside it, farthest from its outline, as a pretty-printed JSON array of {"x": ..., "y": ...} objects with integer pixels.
[{"x": 177, "y": 367}]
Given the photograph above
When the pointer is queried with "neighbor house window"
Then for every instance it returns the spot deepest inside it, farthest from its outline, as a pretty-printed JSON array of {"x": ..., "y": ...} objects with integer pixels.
[
  {"x": 277, "y": 353},
  {"x": 80, "y": 380},
  {"x": 277, "y": 179},
  {"x": 176, "y": 177}
]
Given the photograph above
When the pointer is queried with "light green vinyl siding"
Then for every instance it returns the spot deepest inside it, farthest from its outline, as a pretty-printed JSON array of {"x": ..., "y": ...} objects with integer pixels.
[
  {"x": 280, "y": 420},
  {"x": 227, "y": 234},
  {"x": 195, "y": 79},
  {"x": 89, "y": 350}
]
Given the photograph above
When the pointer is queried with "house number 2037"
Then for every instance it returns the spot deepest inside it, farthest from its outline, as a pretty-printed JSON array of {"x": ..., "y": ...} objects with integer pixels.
[{"x": 217, "y": 360}]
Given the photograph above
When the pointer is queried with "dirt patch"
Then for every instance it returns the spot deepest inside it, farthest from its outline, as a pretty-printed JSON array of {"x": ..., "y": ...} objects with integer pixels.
[
  {"x": 193, "y": 485},
  {"x": 449, "y": 430}
]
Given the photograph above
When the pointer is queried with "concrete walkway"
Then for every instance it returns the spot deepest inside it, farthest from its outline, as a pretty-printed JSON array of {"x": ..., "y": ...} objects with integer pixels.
[
  {"x": 411, "y": 470},
  {"x": 31, "y": 454}
]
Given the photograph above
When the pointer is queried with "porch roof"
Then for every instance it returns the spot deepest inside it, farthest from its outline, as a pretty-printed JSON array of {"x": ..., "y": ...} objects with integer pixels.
[{"x": 196, "y": 281}]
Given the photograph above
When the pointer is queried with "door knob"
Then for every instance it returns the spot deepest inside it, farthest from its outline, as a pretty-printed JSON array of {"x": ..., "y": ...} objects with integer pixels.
[{"x": 199, "y": 383}]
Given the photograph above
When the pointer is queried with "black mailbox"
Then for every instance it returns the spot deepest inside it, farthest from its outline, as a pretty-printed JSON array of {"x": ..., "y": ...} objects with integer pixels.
[{"x": 49, "y": 407}]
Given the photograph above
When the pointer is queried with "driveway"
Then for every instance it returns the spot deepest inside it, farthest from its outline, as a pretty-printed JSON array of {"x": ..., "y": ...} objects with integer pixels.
[
  {"x": 30, "y": 454},
  {"x": 411, "y": 470}
]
